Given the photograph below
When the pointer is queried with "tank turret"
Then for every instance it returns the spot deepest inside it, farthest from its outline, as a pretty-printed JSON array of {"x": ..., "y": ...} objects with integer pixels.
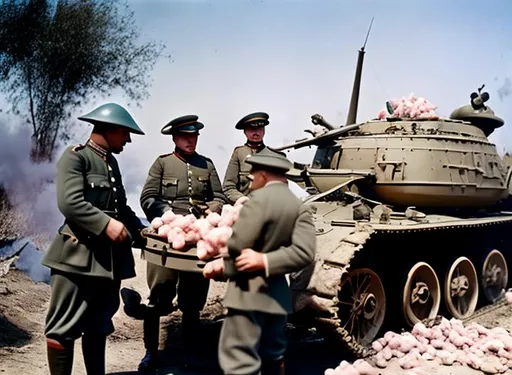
[{"x": 479, "y": 114}]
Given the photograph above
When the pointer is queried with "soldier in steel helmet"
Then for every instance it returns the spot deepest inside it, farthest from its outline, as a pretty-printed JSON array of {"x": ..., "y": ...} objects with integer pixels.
[
  {"x": 236, "y": 181},
  {"x": 273, "y": 235},
  {"x": 182, "y": 180},
  {"x": 92, "y": 251}
]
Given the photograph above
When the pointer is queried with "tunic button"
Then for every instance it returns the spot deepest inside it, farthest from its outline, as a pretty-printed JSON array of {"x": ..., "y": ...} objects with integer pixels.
[
  {"x": 113, "y": 179},
  {"x": 114, "y": 189}
]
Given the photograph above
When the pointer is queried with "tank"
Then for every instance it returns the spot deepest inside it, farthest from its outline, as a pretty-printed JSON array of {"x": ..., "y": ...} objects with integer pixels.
[{"x": 412, "y": 221}]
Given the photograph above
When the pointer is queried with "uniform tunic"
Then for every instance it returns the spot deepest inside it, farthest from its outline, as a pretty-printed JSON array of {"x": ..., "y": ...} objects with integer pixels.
[
  {"x": 86, "y": 266},
  {"x": 236, "y": 180},
  {"x": 275, "y": 222},
  {"x": 172, "y": 181}
]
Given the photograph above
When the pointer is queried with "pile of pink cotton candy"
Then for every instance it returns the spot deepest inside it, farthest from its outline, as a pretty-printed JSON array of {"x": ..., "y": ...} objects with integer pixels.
[
  {"x": 409, "y": 107},
  {"x": 448, "y": 343},
  {"x": 210, "y": 234}
]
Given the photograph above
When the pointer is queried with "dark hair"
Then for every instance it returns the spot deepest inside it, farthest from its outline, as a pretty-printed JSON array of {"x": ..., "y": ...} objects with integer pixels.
[{"x": 100, "y": 128}]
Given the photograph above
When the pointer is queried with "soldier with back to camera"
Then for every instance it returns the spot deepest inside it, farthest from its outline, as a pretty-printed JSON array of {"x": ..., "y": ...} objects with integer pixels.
[
  {"x": 273, "y": 235},
  {"x": 92, "y": 251},
  {"x": 182, "y": 180}
]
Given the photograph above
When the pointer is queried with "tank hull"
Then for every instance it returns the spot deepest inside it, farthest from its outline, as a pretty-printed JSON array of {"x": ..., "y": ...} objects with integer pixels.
[{"x": 390, "y": 249}]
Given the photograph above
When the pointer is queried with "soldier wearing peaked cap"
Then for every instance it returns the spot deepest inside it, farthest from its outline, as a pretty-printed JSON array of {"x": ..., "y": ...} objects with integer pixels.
[
  {"x": 273, "y": 235},
  {"x": 92, "y": 251},
  {"x": 176, "y": 180},
  {"x": 236, "y": 182}
]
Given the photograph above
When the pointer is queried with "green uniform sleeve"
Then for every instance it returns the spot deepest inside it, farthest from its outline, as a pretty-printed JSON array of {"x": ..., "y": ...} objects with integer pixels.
[
  {"x": 70, "y": 195},
  {"x": 219, "y": 199},
  {"x": 246, "y": 231},
  {"x": 133, "y": 224},
  {"x": 231, "y": 179},
  {"x": 302, "y": 250},
  {"x": 151, "y": 199}
]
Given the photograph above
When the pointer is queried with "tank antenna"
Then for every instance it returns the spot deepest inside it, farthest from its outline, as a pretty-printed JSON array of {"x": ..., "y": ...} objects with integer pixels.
[{"x": 354, "y": 100}]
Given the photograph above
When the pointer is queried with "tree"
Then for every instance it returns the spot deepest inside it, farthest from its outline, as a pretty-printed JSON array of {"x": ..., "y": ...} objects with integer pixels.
[{"x": 57, "y": 54}]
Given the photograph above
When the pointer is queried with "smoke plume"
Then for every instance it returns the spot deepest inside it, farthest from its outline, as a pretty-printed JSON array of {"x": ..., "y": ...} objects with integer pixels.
[{"x": 29, "y": 187}]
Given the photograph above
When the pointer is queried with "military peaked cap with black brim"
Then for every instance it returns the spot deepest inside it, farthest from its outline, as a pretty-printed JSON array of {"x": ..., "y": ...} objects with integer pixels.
[
  {"x": 254, "y": 119},
  {"x": 267, "y": 159},
  {"x": 185, "y": 124},
  {"x": 112, "y": 114}
]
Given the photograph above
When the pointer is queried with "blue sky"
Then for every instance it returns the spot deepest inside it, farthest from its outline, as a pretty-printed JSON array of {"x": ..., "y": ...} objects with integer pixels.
[{"x": 296, "y": 58}]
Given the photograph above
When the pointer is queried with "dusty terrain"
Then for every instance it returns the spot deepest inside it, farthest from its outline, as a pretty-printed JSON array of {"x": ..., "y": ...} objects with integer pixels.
[{"x": 23, "y": 305}]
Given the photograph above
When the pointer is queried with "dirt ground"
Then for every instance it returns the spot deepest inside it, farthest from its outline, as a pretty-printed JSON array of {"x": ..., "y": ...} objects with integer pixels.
[{"x": 23, "y": 305}]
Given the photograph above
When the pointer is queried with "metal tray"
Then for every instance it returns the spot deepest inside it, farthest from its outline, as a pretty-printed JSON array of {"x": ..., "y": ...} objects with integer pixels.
[{"x": 160, "y": 252}]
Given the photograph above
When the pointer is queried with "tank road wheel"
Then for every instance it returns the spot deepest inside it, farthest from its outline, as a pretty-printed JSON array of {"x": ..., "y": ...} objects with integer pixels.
[
  {"x": 421, "y": 295},
  {"x": 362, "y": 305},
  {"x": 494, "y": 276},
  {"x": 461, "y": 288}
]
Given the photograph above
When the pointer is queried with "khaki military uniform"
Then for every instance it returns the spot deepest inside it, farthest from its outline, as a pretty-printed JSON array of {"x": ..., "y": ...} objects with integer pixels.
[
  {"x": 86, "y": 266},
  {"x": 172, "y": 181},
  {"x": 236, "y": 180},
  {"x": 275, "y": 222}
]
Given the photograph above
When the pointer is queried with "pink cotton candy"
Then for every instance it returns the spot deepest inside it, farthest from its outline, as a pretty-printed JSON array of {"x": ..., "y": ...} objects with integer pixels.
[
  {"x": 178, "y": 242},
  {"x": 163, "y": 230},
  {"x": 157, "y": 223},
  {"x": 213, "y": 219},
  {"x": 168, "y": 216}
]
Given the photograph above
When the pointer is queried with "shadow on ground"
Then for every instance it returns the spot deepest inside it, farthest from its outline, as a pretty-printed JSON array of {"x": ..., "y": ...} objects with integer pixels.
[
  {"x": 306, "y": 354},
  {"x": 12, "y": 336}
]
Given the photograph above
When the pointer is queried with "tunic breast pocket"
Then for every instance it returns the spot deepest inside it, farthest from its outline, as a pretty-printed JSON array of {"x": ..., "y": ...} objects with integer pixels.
[
  {"x": 170, "y": 188},
  {"x": 205, "y": 188},
  {"x": 98, "y": 191}
]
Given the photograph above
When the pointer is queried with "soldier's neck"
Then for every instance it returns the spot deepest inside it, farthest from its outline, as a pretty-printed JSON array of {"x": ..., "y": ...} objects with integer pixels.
[
  {"x": 183, "y": 155},
  {"x": 100, "y": 141},
  {"x": 255, "y": 145}
]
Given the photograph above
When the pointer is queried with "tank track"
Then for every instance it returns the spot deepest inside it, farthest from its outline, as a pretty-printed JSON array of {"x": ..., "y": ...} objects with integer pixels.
[{"x": 359, "y": 254}]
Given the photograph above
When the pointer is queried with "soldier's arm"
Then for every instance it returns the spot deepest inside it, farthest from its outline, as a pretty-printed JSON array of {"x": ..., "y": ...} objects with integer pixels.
[
  {"x": 219, "y": 199},
  {"x": 231, "y": 179},
  {"x": 300, "y": 253},
  {"x": 246, "y": 231},
  {"x": 70, "y": 195},
  {"x": 151, "y": 199},
  {"x": 132, "y": 223}
]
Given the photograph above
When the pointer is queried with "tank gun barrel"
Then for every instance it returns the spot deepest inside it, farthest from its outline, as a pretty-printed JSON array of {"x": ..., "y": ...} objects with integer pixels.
[
  {"x": 354, "y": 100},
  {"x": 329, "y": 136}
]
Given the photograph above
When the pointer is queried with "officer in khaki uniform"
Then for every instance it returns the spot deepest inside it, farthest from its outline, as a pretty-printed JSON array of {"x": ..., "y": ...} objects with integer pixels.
[
  {"x": 178, "y": 180},
  {"x": 236, "y": 181},
  {"x": 273, "y": 235},
  {"x": 92, "y": 252}
]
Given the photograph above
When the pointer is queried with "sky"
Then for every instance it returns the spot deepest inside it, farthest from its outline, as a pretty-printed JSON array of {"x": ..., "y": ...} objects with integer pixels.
[{"x": 293, "y": 59}]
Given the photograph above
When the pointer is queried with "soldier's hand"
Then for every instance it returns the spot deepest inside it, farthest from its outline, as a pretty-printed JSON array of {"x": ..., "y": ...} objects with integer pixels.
[
  {"x": 116, "y": 231},
  {"x": 250, "y": 261},
  {"x": 214, "y": 269}
]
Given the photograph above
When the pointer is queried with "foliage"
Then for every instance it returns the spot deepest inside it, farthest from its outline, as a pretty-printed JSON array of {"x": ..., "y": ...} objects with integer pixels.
[{"x": 55, "y": 55}]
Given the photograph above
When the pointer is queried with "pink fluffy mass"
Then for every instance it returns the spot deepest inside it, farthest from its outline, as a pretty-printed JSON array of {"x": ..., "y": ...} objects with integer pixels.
[
  {"x": 448, "y": 343},
  {"x": 409, "y": 107},
  {"x": 209, "y": 234}
]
